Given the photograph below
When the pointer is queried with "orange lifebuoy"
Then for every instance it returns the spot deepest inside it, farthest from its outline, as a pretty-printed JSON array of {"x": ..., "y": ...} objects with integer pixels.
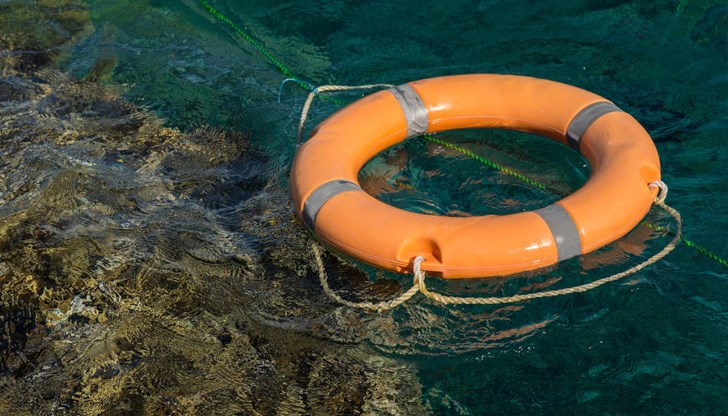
[{"x": 617, "y": 195}]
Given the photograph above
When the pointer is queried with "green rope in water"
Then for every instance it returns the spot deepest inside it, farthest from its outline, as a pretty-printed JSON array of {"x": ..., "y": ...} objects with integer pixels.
[
  {"x": 700, "y": 249},
  {"x": 704, "y": 251},
  {"x": 486, "y": 162},
  {"x": 308, "y": 87},
  {"x": 254, "y": 43},
  {"x": 263, "y": 51}
]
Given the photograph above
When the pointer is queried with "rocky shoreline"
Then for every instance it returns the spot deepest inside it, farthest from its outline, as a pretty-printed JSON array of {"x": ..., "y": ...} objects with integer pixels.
[{"x": 145, "y": 270}]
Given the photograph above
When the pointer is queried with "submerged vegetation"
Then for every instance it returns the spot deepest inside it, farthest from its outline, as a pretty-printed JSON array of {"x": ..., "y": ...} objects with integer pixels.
[{"x": 143, "y": 269}]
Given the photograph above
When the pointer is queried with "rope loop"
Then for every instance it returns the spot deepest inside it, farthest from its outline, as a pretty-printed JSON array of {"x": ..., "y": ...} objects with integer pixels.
[
  {"x": 378, "y": 307},
  {"x": 419, "y": 274},
  {"x": 662, "y": 193}
]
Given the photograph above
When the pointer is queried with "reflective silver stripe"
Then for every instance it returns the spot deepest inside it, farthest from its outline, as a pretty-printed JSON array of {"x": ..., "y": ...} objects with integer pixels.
[
  {"x": 581, "y": 122},
  {"x": 568, "y": 241},
  {"x": 322, "y": 195},
  {"x": 414, "y": 109}
]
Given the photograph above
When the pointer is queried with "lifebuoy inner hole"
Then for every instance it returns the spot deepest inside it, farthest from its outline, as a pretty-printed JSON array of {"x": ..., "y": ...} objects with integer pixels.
[{"x": 427, "y": 177}]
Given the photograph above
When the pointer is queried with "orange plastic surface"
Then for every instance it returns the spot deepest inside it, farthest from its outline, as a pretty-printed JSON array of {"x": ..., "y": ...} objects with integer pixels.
[{"x": 614, "y": 199}]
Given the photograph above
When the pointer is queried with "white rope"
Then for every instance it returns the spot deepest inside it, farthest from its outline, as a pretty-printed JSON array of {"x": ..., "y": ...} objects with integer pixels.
[
  {"x": 420, "y": 286},
  {"x": 662, "y": 193},
  {"x": 329, "y": 88},
  {"x": 379, "y": 306}
]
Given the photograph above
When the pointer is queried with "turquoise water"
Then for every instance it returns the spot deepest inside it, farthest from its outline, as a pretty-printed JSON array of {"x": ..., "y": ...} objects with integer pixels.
[{"x": 652, "y": 344}]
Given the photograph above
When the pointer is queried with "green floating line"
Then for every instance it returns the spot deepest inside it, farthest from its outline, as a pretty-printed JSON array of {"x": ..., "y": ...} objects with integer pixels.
[
  {"x": 263, "y": 51},
  {"x": 487, "y": 162},
  {"x": 704, "y": 251},
  {"x": 700, "y": 249},
  {"x": 254, "y": 43},
  {"x": 285, "y": 71}
]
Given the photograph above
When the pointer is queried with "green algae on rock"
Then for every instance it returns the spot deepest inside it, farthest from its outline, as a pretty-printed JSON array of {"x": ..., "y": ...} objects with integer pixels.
[
  {"x": 130, "y": 278},
  {"x": 32, "y": 34},
  {"x": 144, "y": 270}
]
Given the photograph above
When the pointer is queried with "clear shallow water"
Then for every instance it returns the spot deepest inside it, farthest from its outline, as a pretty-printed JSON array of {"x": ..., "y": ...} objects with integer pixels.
[{"x": 213, "y": 245}]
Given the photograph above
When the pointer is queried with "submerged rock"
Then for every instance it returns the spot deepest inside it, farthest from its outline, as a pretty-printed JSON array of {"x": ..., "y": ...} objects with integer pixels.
[
  {"x": 147, "y": 270},
  {"x": 33, "y": 34}
]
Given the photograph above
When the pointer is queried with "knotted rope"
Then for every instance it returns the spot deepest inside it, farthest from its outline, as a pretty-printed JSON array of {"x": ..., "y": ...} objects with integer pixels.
[{"x": 420, "y": 286}]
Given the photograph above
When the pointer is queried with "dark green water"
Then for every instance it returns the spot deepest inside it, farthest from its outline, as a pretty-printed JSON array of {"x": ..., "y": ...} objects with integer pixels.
[{"x": 652, "y": 344}]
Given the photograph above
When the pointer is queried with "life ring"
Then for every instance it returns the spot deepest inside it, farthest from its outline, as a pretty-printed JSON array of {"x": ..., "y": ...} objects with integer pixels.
[{"x": 327, "y": 196}]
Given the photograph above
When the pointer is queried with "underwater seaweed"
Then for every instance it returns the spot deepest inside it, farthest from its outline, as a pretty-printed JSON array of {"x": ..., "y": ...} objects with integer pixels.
[
  {"x": 33, "y": 34},
  {"x": 145, "y": 270}
]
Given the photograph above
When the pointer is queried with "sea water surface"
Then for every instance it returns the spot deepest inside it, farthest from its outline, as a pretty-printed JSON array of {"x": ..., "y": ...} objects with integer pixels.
[{"x": 150, "y": 261}]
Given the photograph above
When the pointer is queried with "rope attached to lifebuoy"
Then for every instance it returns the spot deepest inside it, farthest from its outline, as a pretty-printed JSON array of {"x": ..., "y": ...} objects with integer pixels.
[{"x": 420, "y": 286}]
